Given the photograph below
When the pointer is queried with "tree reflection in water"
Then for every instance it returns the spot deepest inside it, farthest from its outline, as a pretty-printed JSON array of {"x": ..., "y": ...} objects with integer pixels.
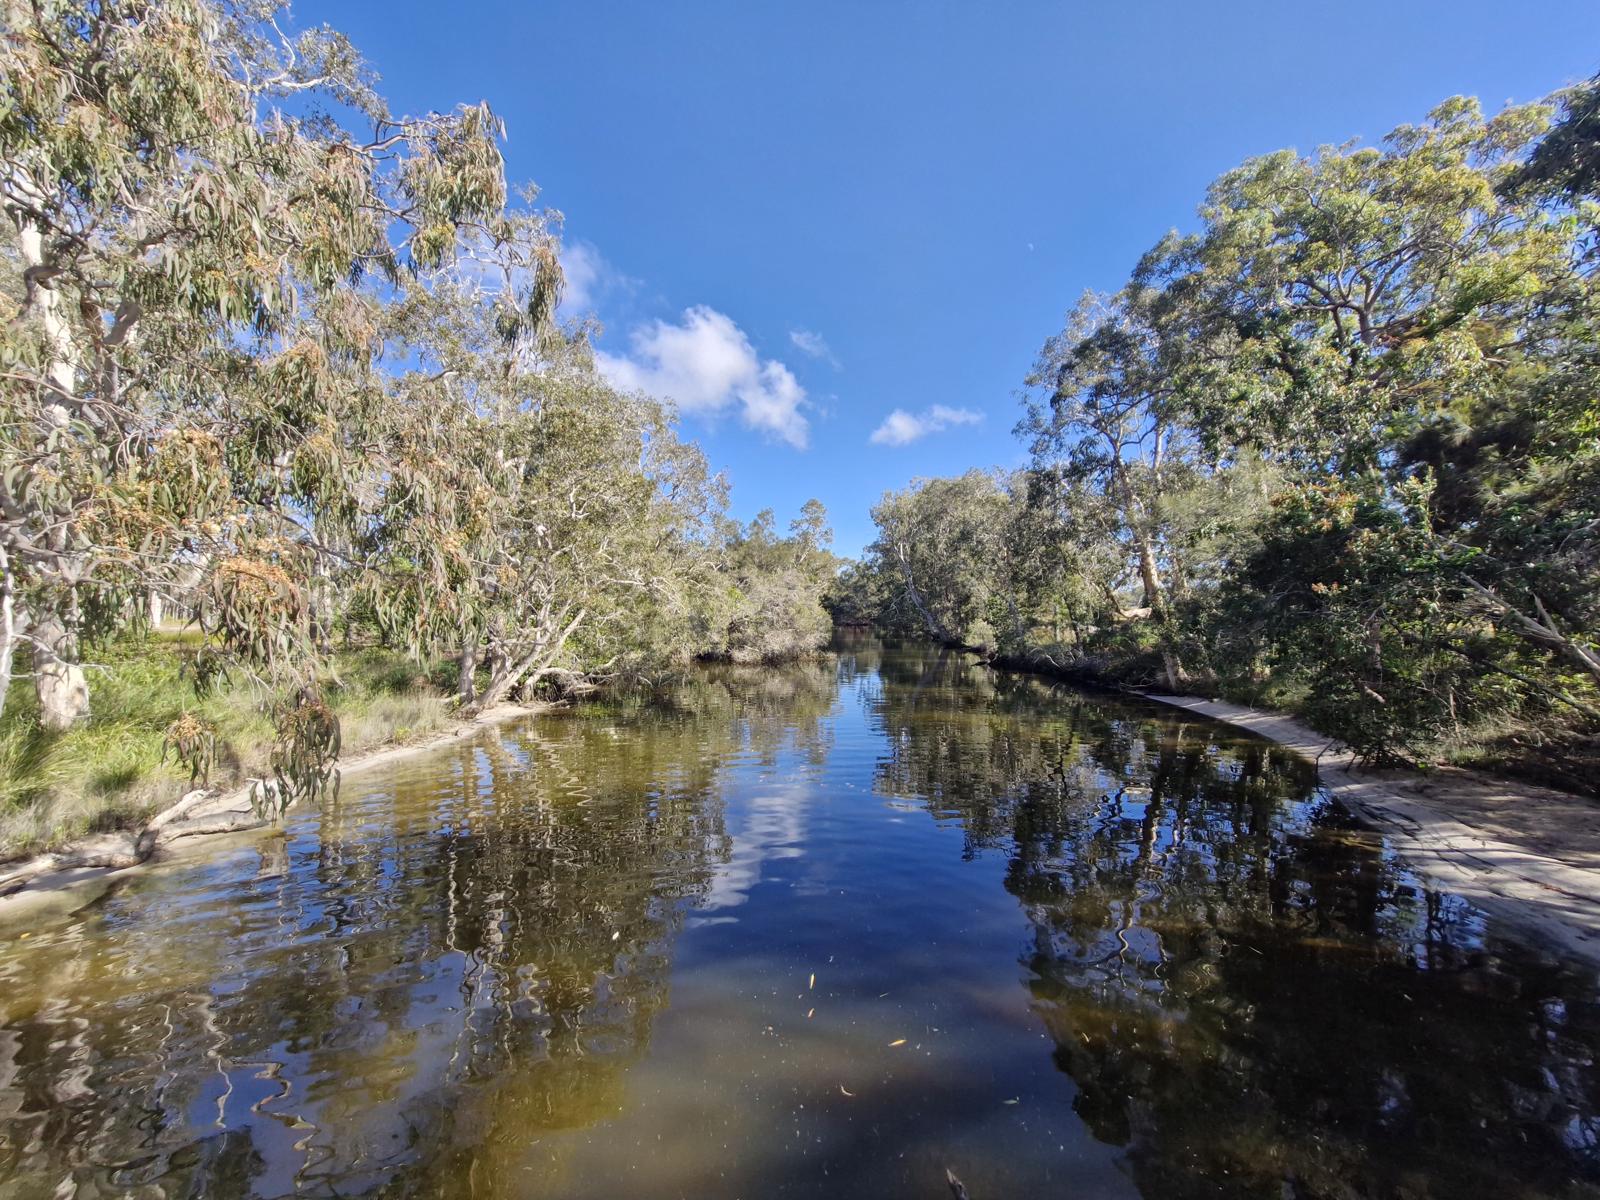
[
  {"x": 448, "y": 983},
  {"x": 1250, "y": 998},
  {"x": 477, "y": 951}
]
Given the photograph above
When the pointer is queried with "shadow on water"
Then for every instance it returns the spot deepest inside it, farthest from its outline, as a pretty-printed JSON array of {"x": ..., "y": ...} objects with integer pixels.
[{"x": 571, "y": 959}]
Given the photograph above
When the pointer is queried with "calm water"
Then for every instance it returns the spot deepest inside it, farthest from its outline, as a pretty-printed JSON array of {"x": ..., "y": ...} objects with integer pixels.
[{"x": 823, "y": 932}]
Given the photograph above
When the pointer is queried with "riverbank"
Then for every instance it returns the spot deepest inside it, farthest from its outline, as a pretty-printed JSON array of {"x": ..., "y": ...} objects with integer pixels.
[
  {"x": 74, "y": 874},
  {"x": 116, "y": 770},
  {"x": 1527, "y": 855}
]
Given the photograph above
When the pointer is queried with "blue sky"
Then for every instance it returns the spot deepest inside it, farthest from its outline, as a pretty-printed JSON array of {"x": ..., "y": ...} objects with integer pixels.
[{"x": 799, "y": 218}]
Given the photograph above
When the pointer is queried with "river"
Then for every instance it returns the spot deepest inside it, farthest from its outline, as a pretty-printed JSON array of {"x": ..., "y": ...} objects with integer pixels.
[{"x": 828, "y": 931}]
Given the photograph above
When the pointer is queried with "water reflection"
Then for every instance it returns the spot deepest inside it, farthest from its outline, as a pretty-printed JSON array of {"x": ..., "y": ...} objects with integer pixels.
[
  {"x": 1250, "y": 999},
  {"x": 819, "y": 932},
  {"x": 478, "y": 949}
]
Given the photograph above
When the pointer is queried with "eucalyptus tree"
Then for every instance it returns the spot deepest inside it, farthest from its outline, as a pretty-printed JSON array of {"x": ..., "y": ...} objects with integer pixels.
[
  {"x": 945, "y": 541},
  {"x": 1414, "y": 325},
  {"x": 605, "y": 534},
  {"x": 209, "y": 215},
  {"x": 192, "y": 222},
  {"x": 542, "y": 523},
  {"x": 1103, "y": 421},
  {"x": 1362, "y": 285},
  {"x": 772, "y": 604},
  {"x": 1404, "y": 336},
  {"x": 1065, "y": 556}
]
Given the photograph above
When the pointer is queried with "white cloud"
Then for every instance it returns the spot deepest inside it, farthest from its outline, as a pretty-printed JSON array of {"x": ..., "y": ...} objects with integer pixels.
[
  {"x": 815, "y": 345},
  {"x": 707, "y": 365},
  {"x": 901, "y": 428},
  {"x": 581, "y": 264},
  {"x": 589, "y": 275},
  {"x": 773, "y": 827}
]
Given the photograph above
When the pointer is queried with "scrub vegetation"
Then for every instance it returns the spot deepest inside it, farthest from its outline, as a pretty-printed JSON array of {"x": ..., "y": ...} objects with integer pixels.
[
  {"x": 1335, "y": 451},
  {"x": 125, "y": 761}
]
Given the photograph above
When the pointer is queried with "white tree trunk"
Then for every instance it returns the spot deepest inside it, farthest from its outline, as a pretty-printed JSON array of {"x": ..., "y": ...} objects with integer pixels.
[
  {"x": 1543, "y": 631},
  {"x": 1177, "y": 678},
  {"x": 58, "y": 677},
  {"x": 531, "y": 666},
  {"x": 8, "y": 625},
  {"x": 1150, "y": 575},
  {"x": 45, "y": 300},
  {"x": 1134, "y": 517},
  {"x": 935, "y": 628}
]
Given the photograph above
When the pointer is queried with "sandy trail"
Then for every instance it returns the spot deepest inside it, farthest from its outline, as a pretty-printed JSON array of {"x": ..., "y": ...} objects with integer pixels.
[{"x": 1527, "y": 855}]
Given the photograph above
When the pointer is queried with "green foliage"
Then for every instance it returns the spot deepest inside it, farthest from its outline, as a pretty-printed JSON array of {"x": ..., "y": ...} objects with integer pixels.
[
  {"x": 946, "y": 546},
  {"x": 1567, "y": 161},
  {"x": 1337, "y": 449},
  {"x": 304, "y": 751},
  {"x": 192, "y": 744},
  {"x": 292, "y": 370},
  {"x": 773, "y": 605},
  {"x": 190, "y": 331}
]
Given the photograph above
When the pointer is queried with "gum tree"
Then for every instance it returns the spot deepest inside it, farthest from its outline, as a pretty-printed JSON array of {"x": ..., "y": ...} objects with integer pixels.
[
  {"x": 537, "y": 523},
  {"x": 190, "y": 324}
]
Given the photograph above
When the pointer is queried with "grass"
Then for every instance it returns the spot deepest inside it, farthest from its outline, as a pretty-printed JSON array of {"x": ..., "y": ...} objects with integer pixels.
[
  {"x": 108, "y": 773},
  {"x": 1545, "y": 753}
]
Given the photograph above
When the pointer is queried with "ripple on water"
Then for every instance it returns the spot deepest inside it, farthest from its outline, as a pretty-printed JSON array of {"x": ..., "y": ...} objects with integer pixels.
[{"x": 820, "y": 931}]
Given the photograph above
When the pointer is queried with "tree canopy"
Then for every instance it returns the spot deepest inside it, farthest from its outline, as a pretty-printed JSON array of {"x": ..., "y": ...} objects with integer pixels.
[
  {"x": 1337, "y": 448},
  {"x": 290, "y": 366}
]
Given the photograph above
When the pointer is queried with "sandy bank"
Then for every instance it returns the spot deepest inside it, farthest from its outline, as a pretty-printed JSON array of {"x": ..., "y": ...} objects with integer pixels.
[
  {"x": 67, "y": 878},
  {"x": 1529, "y": 856}
]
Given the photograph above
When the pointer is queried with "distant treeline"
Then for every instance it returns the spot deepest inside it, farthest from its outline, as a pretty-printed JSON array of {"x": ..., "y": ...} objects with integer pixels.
[{"x": 1337, "y": 450}]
